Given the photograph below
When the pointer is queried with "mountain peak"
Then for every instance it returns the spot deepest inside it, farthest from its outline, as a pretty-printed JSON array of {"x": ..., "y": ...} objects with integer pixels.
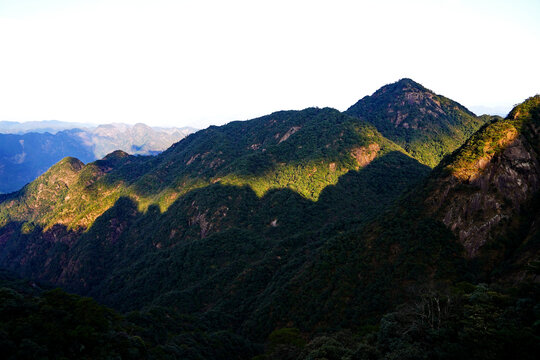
[
  {"x": 68, "y": 163},
  {"x": 410, "y": 83},
  {"x": 427, "y": 125},
  {"x": 117, "y": 154},
  {"x": 401, "y": 86}
]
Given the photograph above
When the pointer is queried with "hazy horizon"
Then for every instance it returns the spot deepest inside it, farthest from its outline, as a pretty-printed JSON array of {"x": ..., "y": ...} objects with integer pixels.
[{"x": 87, "y": 123}]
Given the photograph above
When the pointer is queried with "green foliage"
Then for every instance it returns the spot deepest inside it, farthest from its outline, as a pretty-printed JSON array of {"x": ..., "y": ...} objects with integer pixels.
[{"x": 487, "y": 142}]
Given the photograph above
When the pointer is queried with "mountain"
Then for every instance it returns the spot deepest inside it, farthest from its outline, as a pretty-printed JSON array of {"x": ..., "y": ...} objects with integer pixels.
[
  {"x": 23, "y": 157},
  {"x": 43, "y": 126},
  {"x": 308, "y": 231},
  {"x": 425, "y": 124}
]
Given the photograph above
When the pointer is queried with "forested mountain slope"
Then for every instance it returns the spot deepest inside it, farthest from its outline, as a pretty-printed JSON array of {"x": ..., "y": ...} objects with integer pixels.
[
  {"x": 187, "y": 226},
  {"x": 304, "y": 151},
  {"x": 307, "y": 230}
]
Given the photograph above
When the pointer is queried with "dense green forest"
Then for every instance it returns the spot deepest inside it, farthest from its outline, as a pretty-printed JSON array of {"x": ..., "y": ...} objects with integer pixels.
[
  {"x": 461, "y": 321},
  {"x": 38, "y": 323},
  {"x": 308, "y": 234}
]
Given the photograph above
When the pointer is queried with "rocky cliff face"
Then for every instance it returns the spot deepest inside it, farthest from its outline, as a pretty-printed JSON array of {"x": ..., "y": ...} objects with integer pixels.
[{"x": 480, "y": 189}]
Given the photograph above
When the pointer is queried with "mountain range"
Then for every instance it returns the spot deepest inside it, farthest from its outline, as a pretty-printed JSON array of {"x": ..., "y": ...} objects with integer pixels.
[
  {"x": 34, "y": 147},
  {"x": 404, "y": 227},
  {"x": 42, "y": 126}
]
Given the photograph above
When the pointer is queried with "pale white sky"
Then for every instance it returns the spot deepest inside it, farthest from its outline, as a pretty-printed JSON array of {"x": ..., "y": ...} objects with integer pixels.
[{"x": 205, "y": 62}]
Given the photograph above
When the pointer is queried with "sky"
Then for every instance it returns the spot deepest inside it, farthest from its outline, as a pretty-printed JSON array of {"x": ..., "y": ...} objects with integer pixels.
[{"x": 201, "y": 63}]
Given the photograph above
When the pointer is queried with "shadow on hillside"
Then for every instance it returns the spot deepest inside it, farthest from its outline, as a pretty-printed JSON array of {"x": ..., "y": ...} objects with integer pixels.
[
  {"x": 190, "y": 254},
  {"x": 35, "y": 253}
]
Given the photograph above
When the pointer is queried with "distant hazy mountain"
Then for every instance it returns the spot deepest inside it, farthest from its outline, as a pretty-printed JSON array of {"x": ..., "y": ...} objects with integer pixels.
[
  {"x": 50, "y": 126},
  {"x": 26, "y": 155},
  {"x": 138, "y": 139},
  {"x": 491, "y": 110}
]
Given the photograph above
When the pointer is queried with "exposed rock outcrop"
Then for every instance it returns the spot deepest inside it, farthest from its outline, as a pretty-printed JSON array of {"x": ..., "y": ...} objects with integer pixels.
[
  {"x": 365, "y": 154},
  {"x": 487, "y": 183}
]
